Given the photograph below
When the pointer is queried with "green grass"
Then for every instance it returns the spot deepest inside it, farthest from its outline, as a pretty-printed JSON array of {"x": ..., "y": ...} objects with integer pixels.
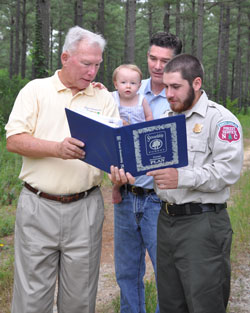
[
  {"x": 106, "y": 181},
  {"x": 7, "y": 220},
  {"x": 6, "y": 273},
  {"x": 240, "y": 214},
  {"x": 10, "y": 187},
  {"x": 245, "y": 123},
  {"x": 150, "y": 297}
]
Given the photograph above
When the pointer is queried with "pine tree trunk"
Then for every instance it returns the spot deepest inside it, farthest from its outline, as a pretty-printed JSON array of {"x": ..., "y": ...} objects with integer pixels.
[
  {"x": 193, "y": 28},
  {"x": 101, "y": 29},
  {"x": 217, "y": 80},
  {"x": 225, "y": 57},
  {"x": 78, "y": 13},
  {"x": 178, "y": 19},
  {"x": 131, "y": 27},
  {"x": 41, "y": 53},
  {"x": 150, "y": 19},
  {"x": 24, "y": 41},
  {"x": 60, "y": 40},
  {"x": 247, "y": 85},
  {"x": 126, "y": 33},
  {"x": 166, "y": 18},
  {"x": 51, "y": 46},
  {"x": 17, "y": 45},
  {"x": 238, "y": 69},
  {"x": 200, "y": 29},
  {"x": 11, "y": 69}
]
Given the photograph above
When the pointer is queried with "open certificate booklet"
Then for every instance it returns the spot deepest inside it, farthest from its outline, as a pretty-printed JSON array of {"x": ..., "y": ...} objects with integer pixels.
[{"x": 137, "y": 148}]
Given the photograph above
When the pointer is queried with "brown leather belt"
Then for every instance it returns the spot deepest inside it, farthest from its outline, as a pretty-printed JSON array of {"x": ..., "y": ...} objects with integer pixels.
[
  {"x": 191, "y": 208},
  {"x": 60, "y": 198},
  {"x": 137, "y": 191}
]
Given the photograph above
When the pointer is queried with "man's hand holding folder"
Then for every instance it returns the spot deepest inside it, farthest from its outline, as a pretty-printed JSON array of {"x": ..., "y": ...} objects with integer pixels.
[
  {"x": 164, "y": 178},
  {"x": 119, "y": 177}
]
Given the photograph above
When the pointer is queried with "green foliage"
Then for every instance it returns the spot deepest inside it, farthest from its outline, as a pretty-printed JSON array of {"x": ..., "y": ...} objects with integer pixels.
[
  {"x": 232, "y": 105},
  {"x": 245, "y": 123},
  {"x": 2, "y": 130},
  {"x": 39, "y": 61},
  {"x": 38, "y": 53},
  {"x": 10, "y": 185},
  {"x": 9, "y": 89},
  {"x": 7, "y": 222},
  {"x": 149, "y": 19}
]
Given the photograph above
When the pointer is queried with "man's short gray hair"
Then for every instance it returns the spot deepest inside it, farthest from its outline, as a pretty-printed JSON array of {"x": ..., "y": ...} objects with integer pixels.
[{"x": 77, "y": 34}]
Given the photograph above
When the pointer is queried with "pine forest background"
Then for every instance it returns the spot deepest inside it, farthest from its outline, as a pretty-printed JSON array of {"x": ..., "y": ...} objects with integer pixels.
[{"x": 32, "y": 33}]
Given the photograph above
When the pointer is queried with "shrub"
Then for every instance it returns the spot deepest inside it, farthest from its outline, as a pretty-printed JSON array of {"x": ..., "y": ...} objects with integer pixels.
[{"x": 9, "y": 89}]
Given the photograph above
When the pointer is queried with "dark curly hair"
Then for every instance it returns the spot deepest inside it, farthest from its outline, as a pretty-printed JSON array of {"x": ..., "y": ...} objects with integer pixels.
[{"x": 166, "y": 40}]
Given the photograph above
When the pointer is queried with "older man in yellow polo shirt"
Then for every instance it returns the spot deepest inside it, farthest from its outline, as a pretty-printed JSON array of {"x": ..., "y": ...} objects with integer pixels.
[{"x": 60, "y": 210}]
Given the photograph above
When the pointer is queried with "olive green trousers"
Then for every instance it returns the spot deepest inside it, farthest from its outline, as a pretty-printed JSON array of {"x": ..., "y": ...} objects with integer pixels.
[{"x": 193, "y": 262}]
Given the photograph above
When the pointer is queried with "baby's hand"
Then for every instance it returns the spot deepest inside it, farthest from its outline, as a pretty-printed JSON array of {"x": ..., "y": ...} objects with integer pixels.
[{"x": 98, "y": 85}]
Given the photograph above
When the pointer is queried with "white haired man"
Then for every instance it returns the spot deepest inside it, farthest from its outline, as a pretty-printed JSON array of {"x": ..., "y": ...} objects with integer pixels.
[{"x": 60, "y": 210}]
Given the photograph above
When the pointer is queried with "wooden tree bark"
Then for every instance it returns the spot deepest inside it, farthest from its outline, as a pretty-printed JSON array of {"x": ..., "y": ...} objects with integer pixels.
[
  {"x": 150, "y": 19},
  {"x": 238, "y": 69},
  {"x": 247, "y": 85},
  {"x": 225, "y": 57},
  {"x": 178, "y": 18},
  {"x": 60, "y": 37},
  {"x": 126, "y": 32},
  {"x": 130, "y": 31},
  {"x": 17, "y": 44},
  {"x": 200, "y": 30},
  {"x": 166, "y": 18},
  {"x": 101, "y": 29},
  {"x": 78, "y": 13},
  {"x": 51, "y": 45},
  {"x": 41, "y": 45},
  {"x": 59, "y": 49},
  {"x": 219, "y": 52},
  {"x": 232, "y": 79},
  {"x": 24, "y": 41},
  {"x": 193, "y": 28},
  {"x": 183, "y": 34},
  {"x": 11, "y": 69},
  {"x": 45, "y": 15}
]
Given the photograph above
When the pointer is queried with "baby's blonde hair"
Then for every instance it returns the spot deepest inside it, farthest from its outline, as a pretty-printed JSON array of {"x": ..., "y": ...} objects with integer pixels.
[{"x": 132, "y": 67}]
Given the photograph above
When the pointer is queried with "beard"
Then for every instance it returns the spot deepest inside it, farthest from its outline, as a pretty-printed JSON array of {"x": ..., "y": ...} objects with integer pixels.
[{"x": 187, "y": 103}]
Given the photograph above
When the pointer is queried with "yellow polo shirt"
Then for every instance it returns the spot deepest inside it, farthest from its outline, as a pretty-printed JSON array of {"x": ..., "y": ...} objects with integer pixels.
[{"x": 39, "y": 110}]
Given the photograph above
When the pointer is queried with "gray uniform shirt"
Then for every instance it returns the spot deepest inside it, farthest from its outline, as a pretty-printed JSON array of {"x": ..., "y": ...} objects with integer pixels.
[{"x": 215, "y": 155}]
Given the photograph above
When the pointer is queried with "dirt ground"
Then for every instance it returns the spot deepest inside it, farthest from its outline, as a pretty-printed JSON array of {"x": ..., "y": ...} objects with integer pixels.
[{"x": 108, "y": 289}]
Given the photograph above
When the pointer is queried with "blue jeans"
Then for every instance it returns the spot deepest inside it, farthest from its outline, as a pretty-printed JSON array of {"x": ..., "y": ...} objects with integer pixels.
[{"x": 135, "y": 223}]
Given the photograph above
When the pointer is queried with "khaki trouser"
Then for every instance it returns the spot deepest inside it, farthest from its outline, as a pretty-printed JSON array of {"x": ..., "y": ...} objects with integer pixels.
[
  {"x": 193, "y": 262},
  {"x": 57, "y": 240}
]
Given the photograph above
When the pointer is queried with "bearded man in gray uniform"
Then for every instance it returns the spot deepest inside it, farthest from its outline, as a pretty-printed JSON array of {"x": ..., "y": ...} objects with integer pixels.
[{"x": 194, "y": 231}]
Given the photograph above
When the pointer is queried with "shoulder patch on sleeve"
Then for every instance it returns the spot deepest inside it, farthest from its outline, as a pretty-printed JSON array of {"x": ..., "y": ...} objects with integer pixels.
[{"x": 228, "y": 131}]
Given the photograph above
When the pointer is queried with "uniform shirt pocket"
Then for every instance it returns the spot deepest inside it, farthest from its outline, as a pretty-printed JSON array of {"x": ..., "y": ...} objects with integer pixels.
[{"x": 196, "y": 151}]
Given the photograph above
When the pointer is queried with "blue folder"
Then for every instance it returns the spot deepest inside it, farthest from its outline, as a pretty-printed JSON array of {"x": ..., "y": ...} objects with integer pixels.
[{"x": 137, "y": 148}]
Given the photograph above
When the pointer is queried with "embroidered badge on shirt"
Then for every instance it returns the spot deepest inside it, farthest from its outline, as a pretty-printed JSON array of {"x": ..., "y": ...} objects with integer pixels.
[
  {"x": 197, "y": 128},
  {"x": 228, "y": 131}
]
